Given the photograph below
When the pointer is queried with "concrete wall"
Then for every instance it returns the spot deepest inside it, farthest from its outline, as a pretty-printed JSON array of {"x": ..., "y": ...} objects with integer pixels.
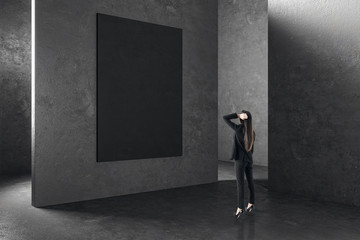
[
  {"x": 243, "y": 61},
  {"x": 15, "y": 108},
  {"x": 314, "y": 117},
  {"x": 64, "y": 164}
]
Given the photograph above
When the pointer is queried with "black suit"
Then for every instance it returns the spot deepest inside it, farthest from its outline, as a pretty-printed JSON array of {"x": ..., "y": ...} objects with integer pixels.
[
  {"x": 243, "y": 160},
  {"x": 238, "y": 148}
]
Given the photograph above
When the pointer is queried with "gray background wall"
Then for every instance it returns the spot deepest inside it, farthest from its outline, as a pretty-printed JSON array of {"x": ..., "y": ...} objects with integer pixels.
[
  {"x": 314, "y": 117},
  {"x": 65, "y": 167},
  {"x": 15, "y": 87},
  {"x": 243, "y": 69}
]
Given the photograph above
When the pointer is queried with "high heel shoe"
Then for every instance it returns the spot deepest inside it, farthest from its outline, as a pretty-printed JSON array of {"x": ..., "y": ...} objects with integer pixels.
[
  {"x": 239, "y": 213},
  {"x": 249, "y": 209}
]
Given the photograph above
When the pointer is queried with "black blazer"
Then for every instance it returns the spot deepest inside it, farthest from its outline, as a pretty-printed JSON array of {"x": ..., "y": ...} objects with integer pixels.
[{"x": 238, "y": 149}]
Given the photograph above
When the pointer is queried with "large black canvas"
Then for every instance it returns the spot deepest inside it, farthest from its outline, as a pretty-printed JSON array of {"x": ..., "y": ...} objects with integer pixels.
[{"x": 139, "y": 89}]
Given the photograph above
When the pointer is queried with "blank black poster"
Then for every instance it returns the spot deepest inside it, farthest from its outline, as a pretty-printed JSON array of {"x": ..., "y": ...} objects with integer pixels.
[{"x": 139, "y": 89}]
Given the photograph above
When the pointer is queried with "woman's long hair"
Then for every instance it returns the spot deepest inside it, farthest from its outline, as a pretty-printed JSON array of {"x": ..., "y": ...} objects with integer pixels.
[{"x": 249, "y": 133}]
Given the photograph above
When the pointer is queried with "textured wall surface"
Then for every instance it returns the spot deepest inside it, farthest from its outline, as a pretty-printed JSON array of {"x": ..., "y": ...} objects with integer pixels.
[
  {"x": 65, "y": 167},
  {"x": 314, "y": 99},
  {"x": 15, "y": 108},
  {"x": 243, "y": 66}
]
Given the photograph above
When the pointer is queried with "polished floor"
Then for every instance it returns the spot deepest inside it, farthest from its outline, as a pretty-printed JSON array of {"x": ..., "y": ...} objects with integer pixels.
[{"x": 196, "y": 212}]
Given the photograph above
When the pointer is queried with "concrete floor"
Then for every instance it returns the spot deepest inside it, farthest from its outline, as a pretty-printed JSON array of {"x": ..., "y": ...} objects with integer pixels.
[{"x": 197, "y": 212}]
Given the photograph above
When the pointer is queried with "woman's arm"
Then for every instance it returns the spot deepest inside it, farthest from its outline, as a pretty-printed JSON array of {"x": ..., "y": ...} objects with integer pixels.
[{"x": 229, "y": 122}]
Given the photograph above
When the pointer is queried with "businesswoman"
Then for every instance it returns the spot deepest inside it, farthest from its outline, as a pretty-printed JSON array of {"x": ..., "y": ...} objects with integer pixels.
[{"x": 242, "y": 151}]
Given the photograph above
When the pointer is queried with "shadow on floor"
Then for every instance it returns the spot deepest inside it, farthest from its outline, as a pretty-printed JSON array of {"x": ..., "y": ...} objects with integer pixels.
[{"x": 196, "y": 212}]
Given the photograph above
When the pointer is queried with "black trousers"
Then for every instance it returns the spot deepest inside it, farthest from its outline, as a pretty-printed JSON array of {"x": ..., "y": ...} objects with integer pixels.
[{"x": 242, "y": 166}]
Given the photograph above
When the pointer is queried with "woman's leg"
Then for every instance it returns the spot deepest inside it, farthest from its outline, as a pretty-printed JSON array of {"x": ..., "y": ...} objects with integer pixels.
[
  {"x": 250, "y": 180},
  {"x": 239, "y": 169}
]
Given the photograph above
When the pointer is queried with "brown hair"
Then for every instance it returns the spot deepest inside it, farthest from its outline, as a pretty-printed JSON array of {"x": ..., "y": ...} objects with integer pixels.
[{"x": 249, "y": 133}]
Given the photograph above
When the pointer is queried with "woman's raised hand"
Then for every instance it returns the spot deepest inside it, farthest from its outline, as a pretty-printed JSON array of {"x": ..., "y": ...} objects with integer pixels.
[{"x": 242, "y": 116}]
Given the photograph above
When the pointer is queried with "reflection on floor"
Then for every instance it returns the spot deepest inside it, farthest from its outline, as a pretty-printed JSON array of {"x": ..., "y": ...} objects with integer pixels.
[{"x": 197, "y": 212}]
